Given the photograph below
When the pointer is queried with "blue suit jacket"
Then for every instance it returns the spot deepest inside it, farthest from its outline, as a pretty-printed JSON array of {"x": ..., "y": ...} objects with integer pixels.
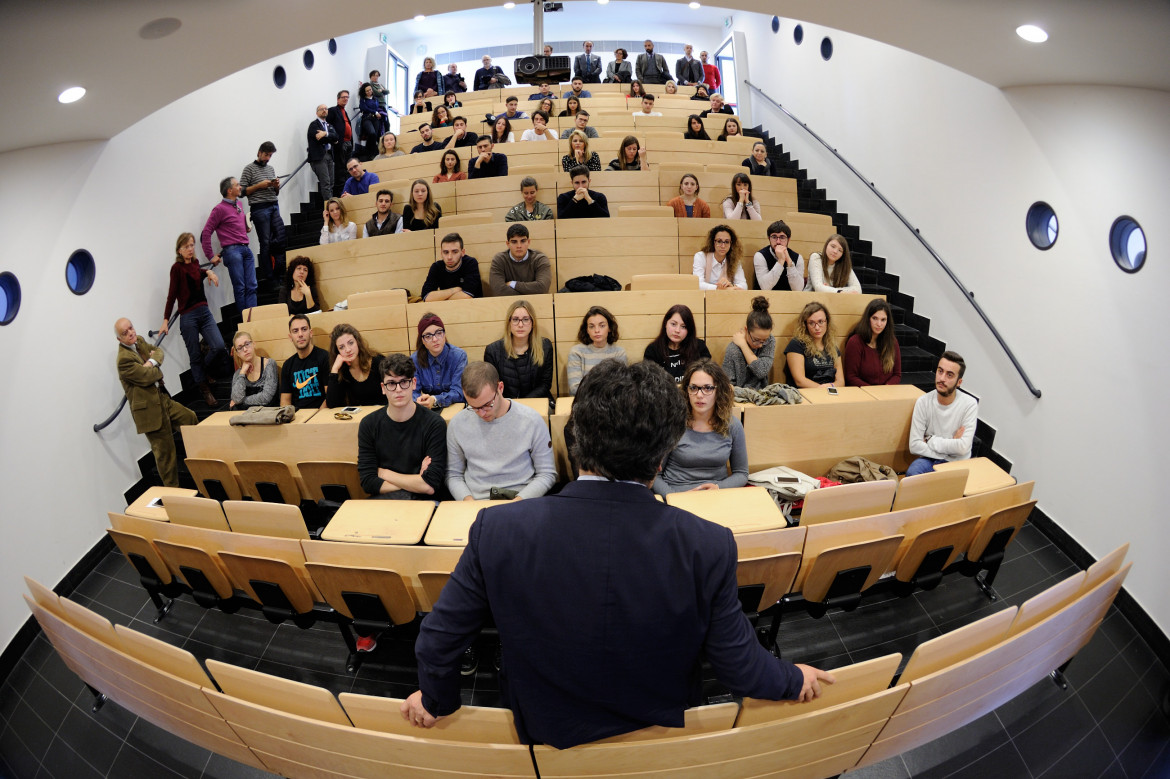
[{"x": 606, "y": 600}]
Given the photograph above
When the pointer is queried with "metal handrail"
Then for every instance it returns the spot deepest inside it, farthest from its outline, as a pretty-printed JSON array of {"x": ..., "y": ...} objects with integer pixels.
[
  {"x": 970, "y": 296},
  {"x": 100, "y": 426}
]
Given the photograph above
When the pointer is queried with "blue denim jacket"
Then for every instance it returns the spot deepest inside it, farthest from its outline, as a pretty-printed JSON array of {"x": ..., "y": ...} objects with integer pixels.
[{"x": 442, "y": 377}]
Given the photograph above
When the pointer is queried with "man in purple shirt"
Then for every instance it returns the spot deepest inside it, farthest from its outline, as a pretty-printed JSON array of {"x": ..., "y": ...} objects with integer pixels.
[
  {"x": 227, "y": 219},
  {"x": 360, "y": 180}
]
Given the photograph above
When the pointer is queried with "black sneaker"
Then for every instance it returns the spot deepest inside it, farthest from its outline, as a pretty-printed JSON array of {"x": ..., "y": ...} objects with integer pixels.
[{"x": 469, "y": 663}]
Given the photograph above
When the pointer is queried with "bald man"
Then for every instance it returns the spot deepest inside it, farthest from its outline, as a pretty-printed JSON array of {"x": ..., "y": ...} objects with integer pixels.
[{"x": 155, "y": 414}]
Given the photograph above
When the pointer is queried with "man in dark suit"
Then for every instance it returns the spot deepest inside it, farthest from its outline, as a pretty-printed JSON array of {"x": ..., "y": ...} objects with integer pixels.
[
  {"x": 687, "y": 69},
  {"x": 651, "y": 68},
  {"x": 343, "y": 149},
  {"x": 322, "y": 136},
  {"x": 606, "y": 600},
  {"x": 587, "y": 66},
  {"x": 154, "y": 413}
]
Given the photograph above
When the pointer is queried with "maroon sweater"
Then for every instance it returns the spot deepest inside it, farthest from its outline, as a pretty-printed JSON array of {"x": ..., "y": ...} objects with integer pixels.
[
  {"x": 863, "y": 366},
  {"x": 186, "y": 287}
]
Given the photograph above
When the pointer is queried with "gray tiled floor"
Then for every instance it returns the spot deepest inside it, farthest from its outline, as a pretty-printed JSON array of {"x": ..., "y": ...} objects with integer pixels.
[{"x": 1111, "y": 722}]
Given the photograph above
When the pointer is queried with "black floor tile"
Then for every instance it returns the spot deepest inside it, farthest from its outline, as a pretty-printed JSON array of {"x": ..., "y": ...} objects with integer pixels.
[
  {"x": 880, "y": 623},
  {"x": 60, "y": 677},
  {"x": 62, "y": 761},
  {"x": 381, "y": 688},
  {"x": 1029, "y": 539},
  {"x": 1150, "y": 739},
  {"x": 97, "y": 745},
  {"x": 22, "y": 763},
  {"x": 1002, "y": 763},
  {"x": 808, "y": 640},
  {"x": 1126, "y": 718},
  {"x": 242, "y": 633},
  {"x": 220, "y": 767},
  {"x": 1048, "y": 740},
  {"x": 1090, "y": 660},
  {"x": 1052, "y": 559},
  {"x": 116, "y": 566},
  {"x": 1117, "y": 628},
  {"x": 1114, "y": 771},
  {"x": 21, "y": 677},
  {"x": 50, "y": 705},
  {"x": 1088, "y": 758},
  {"x": 1160, "y": 768},
  {"x": 177, "y": 754},
  {"x": 216, "y": 652},
  {"x": 334, "y": 682},
  {"x": 1024, "y": 710},
  {"x": 311, "y": 649},
  {"x": 892, "y": 768},
  {"x": 38, "y": 651},
  {"x": 125, "y": 598},
  {"x": 1113, "y": 682},
  {"x": 957, "y": 599},
  {"x": 957, "y": 749},
  {"x": 110, "y": 716},
  {"x": 903, "y": 645},
  {"x": 9, "y": 697},
  {"x": 1139, "y": 655},
  {"x": 90, "y": 586},
  {"x": 1015, "y": 575},
  {"x": 31, "y": 729},
  {"x": 132, "y": 763}
]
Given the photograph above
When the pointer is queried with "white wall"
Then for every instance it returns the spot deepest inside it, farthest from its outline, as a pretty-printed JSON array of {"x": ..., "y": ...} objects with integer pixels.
[
  {"x": 964, "y": 161},
  {"x": 126, "y": 201}
]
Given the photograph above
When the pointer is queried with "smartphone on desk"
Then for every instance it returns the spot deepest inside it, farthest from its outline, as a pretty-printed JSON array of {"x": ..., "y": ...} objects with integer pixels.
[{"x": 832, "y": 390}]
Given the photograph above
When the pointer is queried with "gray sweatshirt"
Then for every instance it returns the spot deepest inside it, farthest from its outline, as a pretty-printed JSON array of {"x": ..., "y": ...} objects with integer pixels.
[
  {"x": 512, "y": 452},
  {"x": 702, "y": 458}
]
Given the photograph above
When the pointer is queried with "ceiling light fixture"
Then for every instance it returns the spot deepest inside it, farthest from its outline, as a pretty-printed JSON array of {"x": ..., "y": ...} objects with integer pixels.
[
  {"x": 71, "y": 95},
  {"x": 420, "y": 18},
  {"x": 509, "y": 6},
  {"x": 603, "y": 2},
  {"x": 1031, "y": 33},
  {"x": 692, "y": 5}
]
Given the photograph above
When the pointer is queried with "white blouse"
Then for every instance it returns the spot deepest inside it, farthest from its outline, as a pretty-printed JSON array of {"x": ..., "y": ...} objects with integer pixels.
[
  {"x": 347, "y": 233},
  {"x": 709, "y": 280},
  {"x": 819, "y": 270}
]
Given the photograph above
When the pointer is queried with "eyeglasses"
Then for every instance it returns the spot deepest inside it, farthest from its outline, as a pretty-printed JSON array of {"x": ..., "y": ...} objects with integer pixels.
[
  {"x": 486, "y": 407},
  {"x": 434, "y": 336},
  {"x": 816, "y": 323},
  {"x": 244, "y": 345},
  {"x": 723, "y": 241},
  {"x": 521, "y": 320},
  {"x": 706, "y": 389},
  {"x": 400, "y": 384}
]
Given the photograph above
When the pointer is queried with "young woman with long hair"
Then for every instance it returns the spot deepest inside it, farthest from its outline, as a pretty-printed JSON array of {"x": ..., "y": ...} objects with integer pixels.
[
  {"x": 523, "y": 358},
  {"x": 677, "y": 344},
  {"x": 741, "y": 203},
  {"x": 300, "y": 287},
  {"x": 718, "y": 264},
  {"x": 688, "y": 204},
  {"x": 421, "y": 211},
  {"x": 337, "y": 227},
  {"x": 579, "y": 153},
  {"x": 872, "y": 355},
  {"x": 831, "y": 269},
  {"x": 596, "y": 341},
  {"x": 812, "y": 356},
  {"x": 256, "y": 379},
  {"x": 450, "y": 168},
  {"x": 195, "y": 319},
  {"x": 695, "y": 130},
  {"x": 354, "y": 379},
  {"x": 631, "y": 155},
  {"x": 749, "y": 356}
]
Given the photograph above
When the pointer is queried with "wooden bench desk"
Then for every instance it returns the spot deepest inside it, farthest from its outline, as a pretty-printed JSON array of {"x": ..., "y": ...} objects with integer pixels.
[
  {"x": 982, "y": 475},
  {"x": 380, "y": 521},
  {"x": 820, "y": 395},
  {"x": 142, "y": 509},
  {"x": 453, "y": 519},
  {"x": 539, "y": 405},
  {"x": 328, "y": 416},
  {"x": 893, "y": 392},
  {"x": 742, "y": 509}
]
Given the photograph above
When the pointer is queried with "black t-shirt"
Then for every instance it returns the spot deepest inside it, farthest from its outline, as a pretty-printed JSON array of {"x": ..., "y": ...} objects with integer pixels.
[
  {"x": 822, "y": 368},
  {"x": 672, "y": 360},
  {"x": 466, "y": 277},
  {"x": 305, "y": 379},
  {"x": 401, "y": 447}
]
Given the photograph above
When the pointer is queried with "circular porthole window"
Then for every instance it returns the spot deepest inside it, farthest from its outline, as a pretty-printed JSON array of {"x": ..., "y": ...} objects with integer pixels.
[
  {"x": 9, "y": 297},
  {"x": 80, "y": 272},
  {"x": 332, "y": 45},
  {"x": 279, "y": 77},
  {"x": 1127, "y": 241},
  {"x": 775, "y": 24},
  {"x": 1042, "y": 225},
  {"x": 826, "y": 49},
  {"x": 308, "y": 59},
  {"x": 798, "y": 34}
]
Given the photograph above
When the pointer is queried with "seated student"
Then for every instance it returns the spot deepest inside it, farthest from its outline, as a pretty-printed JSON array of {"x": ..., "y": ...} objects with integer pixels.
[
  {"x": 496, "y": 448},
  {"x": 336, "y": 227},
  {"x": 730, "y": 129},
  {"x": 647, "y": 107},
  {"x": 422, "y": 212},
  {"x": 512, "y": 110},
  {"x": 741, "y": 204},
  {"x": 402, "y": 454},
  {"x": 713, "y": 439},
  {"x": 460, "y": 136},
  {"x": 695, "y": 130},
  {"x": 455, "y": 276},
  {"x": 501, "y": 131},
  {"x": 440, "y": 117},
  {"x": 388, "y": 147},
  {"x": 581, "y": 123},
  {"x": 572, "y": 107},
  {"x": 701, "y": 93},
  {"x": 812, "y": 356},
  {"x": 302, "y": 377},
  {"x": 383, "y": 221},
  {"x": 717, "y": 106},
  {"x": 579, "y": 154},
  {"x": 582, "y": 202},
  {"x": 421, "y": 106},
  {"x": 749, "y": 356},
  {"x": 548, "y": 105},
  {"x": 522, "y": 357},
  {"x": 670, "y": 88},
  {"x": 539, "y": 130},
  {"x": 597, "y": 341},
  {"x": 688, "y": 204},
  {"x": 487, "y": 163},
  {"x": 520, "y": 270},
  {"x": 544, "y": 91},
  {"x": 872, "y": 355},
  {"x": 299, "y": 292},
  {"x": 758, "y": 164},
  {"x": 451, "y": 101},
  {"x": 429, "y": 142},
  {"x": 449, "y": 168},
  {"x": 577, "y": 90},
  {"x": 439, "y": 365},
  {"x": 631, "y": 156},
  {"x": 831, "y": 269},
  {"x": 677, "y": 344},
  {"x": 255, "y": 382},
  {"x": 529, "y": 209},
  {"x": 360, "y": 180},
  {"x": 354, "y": 376},
  {"x": 942, "y": 428},
  {"x": 778, "y": 267},
  {"x": 637, "y": 89},
  {"x": 718, "y": 264}
]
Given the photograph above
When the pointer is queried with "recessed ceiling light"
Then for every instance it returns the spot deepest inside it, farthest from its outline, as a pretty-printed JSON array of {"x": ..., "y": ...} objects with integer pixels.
[
  {"x": 1031, "y": 33},
  {"x": 603, "y": 2},
  {"x": 509, "y": 6},
  {"x": 420, "y": 18},
  {"x": 692, "y": 5},
  {"x": 71, "y": 95}
]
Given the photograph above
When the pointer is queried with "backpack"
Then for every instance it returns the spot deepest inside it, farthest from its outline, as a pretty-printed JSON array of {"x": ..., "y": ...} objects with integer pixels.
[
  {"x": 594, "y": 283},
  {"x": 857, "y": 469}
]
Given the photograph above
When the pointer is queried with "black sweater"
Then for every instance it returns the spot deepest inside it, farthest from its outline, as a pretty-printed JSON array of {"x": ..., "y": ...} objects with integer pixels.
[{"x": 521, "y": 378}]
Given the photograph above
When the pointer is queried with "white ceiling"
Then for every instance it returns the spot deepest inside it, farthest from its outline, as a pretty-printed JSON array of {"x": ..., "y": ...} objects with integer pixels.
[{"x": 50, "y": 44}]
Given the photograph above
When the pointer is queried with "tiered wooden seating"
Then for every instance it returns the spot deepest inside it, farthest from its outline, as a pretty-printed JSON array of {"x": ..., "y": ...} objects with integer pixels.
[
  {"x": 268, "y": 480},
  {"x": 381, "y": 262},
  {"x": 476, "y": 724},
  {"x": 992, "y": 536},
  {"x": 153, "y": 573},
  {"x": 336, "y": 482},
  {"x": 271, "y": 311},
  {"x": 214, "y": 478},
  {"x": 644, "y": 282},
  {"x": 265, "y": 519},
  {"x": 927, "y": 488},
  {"x": 407, "y": 561},
  {"x": 380, "y": 297},
  {"x": 847, "y": 501},
  {"x": 692, "y": 236},
  {"x": 196, "y": 512},
  {"x": 384, "y": 328},
  {"x": 498, "y": 195},
  {"x": 619, "y": 248}
]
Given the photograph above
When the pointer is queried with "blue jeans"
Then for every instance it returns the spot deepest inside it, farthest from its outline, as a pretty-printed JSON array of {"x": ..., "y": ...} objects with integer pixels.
[
  {"x": 270, "y": 233},
  {"x": 199, "y": 321},
  {"x": 241, "y": 264},
  {"x": 922, "y": 465}
]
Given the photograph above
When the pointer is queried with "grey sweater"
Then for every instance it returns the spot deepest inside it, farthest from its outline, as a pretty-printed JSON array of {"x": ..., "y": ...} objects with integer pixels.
[
  {"x": 512, "y": 452},
  {"x": 701, "y": 458},
  {"x": 754, "y": 376},
  {"x": 255, "y": 393},
  {"x": 582, "y": 358}
]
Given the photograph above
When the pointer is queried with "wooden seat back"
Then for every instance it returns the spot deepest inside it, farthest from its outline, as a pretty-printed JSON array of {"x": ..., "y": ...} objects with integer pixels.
[
  {"x": 877, "y": 554},
  {"x": 474, "y": 724},
  {"x": 775, "y": 572},
  {"x": 270, "y": 311},
  {"x": 660, "y": 281},
  {"x": 847, "y": 501},
  {"x": 256, "y": 518},
  {"x": 363, "y": 264},
  {"x": 927, "y": 488},
  {"x": 497, "y": 195},
  {"x": 137, "y": 548},
  {"x": 466, "y": 219},
  {"x": 223, "y": 484},
  {"x": 954, "y": 536},
  {"x": 379, "y": 297},
  {"x": 697, "y": 721},
  {"x": 256, "y": 474},
  {"x": 853, "y": 682},
  {"x": 302, "y": 700},
  {"x": 331, "y": 477},
  {"x": 1105, "y": 567},
  {"x": 382, "y": 327},
  {"x": 196, "y": 512},
  {"x": 248, "y": 571},
  {"x": 181, "y": 558},
  {"x": 957, "y": 645},
  {"x": 1011, "y": 518},
  {"x": 616, "y": 247},
  {"x": 433, "y": 583},
  {"x": 639, "y": 210},
  {"x": 336, "y": 581},
  {"x": 408, "y": 561},
  {"x": 1044, "y": 604}
]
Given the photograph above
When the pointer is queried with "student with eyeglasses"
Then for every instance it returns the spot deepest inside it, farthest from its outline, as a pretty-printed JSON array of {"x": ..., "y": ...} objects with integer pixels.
[
  {"x": 523, "y": 358},
  {"x": 438, "y": 365},
  {"x": 402, "y": 453},
  {"x": 255, "y": 381},
  {"x": 749, "y": 356},
  {"x": 713, "y": 438},
  {"x": 812, "y": 356}
]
